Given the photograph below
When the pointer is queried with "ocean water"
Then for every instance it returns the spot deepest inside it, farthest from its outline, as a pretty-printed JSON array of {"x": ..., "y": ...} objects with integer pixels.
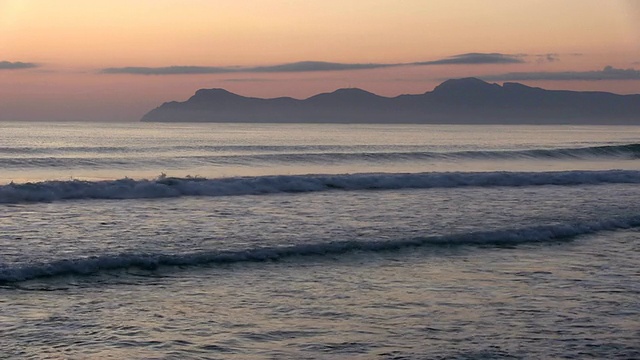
[{"x": 267, "y": 241}]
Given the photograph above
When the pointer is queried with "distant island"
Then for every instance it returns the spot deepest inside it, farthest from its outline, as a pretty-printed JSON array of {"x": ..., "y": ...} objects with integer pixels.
[{"x": 456, "y": 101}]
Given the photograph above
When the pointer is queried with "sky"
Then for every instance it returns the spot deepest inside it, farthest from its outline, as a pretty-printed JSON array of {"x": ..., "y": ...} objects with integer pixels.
[{"x": 115, "y": 60}]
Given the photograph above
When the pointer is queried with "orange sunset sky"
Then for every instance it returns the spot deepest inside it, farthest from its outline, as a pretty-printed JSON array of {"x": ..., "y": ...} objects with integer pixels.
[{"x": 115, "y": 60}]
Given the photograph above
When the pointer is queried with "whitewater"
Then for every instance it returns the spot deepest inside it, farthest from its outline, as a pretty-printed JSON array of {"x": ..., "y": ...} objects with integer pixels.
[{"x": 298, "y": 241}]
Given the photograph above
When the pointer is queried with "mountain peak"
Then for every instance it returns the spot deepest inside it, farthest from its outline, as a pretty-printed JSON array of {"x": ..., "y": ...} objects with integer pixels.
[
  {"x": 464, "y": 85},
  {"x": 352, "y": 91},
  {"x": 346, "y": 94},
  {"x": 212, "y": 94}
]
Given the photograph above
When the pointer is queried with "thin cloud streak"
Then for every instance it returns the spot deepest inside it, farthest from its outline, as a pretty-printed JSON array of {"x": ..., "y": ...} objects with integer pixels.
[
  {"x": 551, "y": 57},
  {"x": 170, "y": 70},
  {"x": 8, "y": 65},
  {"x": 249, "y": 80},
  {"x": 476, "y": 59},
  {"x": 302, "y": 66},
  {"x": 314, "y": 66},
  {"x": 309, "y": 66},
  {"x": 608, "y": 73}
]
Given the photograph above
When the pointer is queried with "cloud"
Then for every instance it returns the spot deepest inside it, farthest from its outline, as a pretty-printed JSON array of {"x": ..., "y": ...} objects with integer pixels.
[
  {"x": 307, "y": 66},
  {"x": 550, "y": 57},
  {"x": 169, "y": 70},
  {"x": 476, "y": 59},
  {"x": 301, "y": 66},
  {"x": 608, "y": 73},
  {"x": 7, "y": 65},
  {"x": 249, "y": 80},
  {"x": 312, "y": 66}
]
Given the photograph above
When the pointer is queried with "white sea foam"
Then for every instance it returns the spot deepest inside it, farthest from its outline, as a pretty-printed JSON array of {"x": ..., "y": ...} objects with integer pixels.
[
  {"x": 512, "y": 236},
  {"x": 164, "y": 187}
]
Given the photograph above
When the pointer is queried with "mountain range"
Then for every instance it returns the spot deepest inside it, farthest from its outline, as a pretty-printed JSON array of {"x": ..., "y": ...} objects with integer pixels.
[{"x": 455, "y": 101}]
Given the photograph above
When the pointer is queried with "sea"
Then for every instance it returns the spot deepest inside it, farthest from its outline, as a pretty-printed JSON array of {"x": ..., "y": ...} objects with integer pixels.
[{"x": 312, "y": 241}]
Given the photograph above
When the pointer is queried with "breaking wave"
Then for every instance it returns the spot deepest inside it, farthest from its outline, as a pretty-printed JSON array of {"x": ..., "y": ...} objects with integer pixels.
[
  {"x": 502, "y": 237},
  {"x": 166, "y": 187}
]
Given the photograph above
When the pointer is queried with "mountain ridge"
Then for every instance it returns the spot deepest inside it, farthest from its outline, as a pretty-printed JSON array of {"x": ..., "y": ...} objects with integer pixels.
[{"x": 455, "y": 101}]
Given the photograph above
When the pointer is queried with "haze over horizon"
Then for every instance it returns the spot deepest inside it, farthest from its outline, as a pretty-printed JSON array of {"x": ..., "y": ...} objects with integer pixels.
[{"x": 116, "y": 60}]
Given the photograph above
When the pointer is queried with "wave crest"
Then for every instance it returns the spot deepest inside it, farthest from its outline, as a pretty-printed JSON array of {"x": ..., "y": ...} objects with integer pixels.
[
  {"x": 515, "y": 236},
  {"x": 57, "y": 157},
  {"x": 165, "y": 187}
]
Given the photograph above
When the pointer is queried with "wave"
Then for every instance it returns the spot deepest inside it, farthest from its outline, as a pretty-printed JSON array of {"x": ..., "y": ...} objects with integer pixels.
[
  {"x": 166, "y": 187},
  {"x": 624, "y": 151},
  {"x": 79, "y": 156},
  {"x": 202, "y": 148},
  {"x": 146, "y": 261},
  {"x": 372, "y": 154}
]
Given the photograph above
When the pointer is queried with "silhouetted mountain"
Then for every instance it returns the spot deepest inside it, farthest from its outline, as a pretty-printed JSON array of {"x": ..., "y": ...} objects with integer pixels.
[{"x": 456, "y": 101}]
